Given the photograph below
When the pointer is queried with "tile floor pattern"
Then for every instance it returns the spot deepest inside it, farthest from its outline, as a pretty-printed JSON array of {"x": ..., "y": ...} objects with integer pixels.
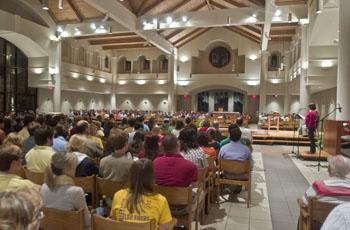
[
  {"x": 234, "y": 214},
  {"x": 279, "y": 178}
]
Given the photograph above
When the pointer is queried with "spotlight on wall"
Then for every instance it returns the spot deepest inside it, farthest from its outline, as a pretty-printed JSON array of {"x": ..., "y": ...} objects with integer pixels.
[
  {"x": 102, "y": 80},
  {"x": 75, "y": 75},
  {"x": 326, "y": 64},
  {"x": 140, "y": 82},
  {"x": 319, "y": 6},
  {"x": 53, "y": 70},
  {"x": 169, "y": 19},
  {"x": 121, "y": 82},
  {"x": 93, "y": 26},
  {"x": 253, "y": 57},
  {"x": 89, "y": 78},
  {"x": 44, "y": 5},
  {"x": 60, "y": 4},
  {"x": 184, "y": 18},
  {"x": 278, "y": 13},
  {"x": 253, "y": 82},
  {"x": 161, "y": 82},
  {"x": 183, "y": 83},
  {"x": 275, "y": 81},
  {"x": 77, "y": 31},
  {"x": 183, "y": 58},
  {"x": 38, "y": 70}
]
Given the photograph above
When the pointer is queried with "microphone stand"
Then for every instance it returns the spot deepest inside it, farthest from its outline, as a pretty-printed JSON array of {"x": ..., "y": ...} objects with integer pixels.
[
  {"x": 293, "y": 116},
  {"x": 321, "y": 137}
]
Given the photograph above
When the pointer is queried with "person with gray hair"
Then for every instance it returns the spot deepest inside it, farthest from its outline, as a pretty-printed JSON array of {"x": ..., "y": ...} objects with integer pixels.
[{"x": 335, "y": 189}]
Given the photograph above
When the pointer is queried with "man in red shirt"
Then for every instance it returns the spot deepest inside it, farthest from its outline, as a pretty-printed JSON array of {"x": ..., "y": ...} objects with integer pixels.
[
  {"x": 172, "y": 169},
  {"x": 311, "y": 125}
]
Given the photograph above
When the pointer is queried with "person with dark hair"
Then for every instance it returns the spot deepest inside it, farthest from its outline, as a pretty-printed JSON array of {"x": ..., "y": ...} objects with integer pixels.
[
  {"x": 171, "y": 169},
  {"x": 116, "y": 166},
  {"x": 39, "y": 157},
  {"x": 190, "y": 149},
  {"x": 59, "y": 191},
  {"x": 60, "y": 138},
  {"x": 235, "y": 150},
  {"x": 179, "y": 125},
  {"x": 203, "y": 142},
  {"x": 131, "y": 123},
  {"x": 137, "y": 145},
  {"x": 151, "y": 147},
  {"x": 10, "y": 163},
  {"x": 29, "y": 143},
  {"x": 139, "y": 202},
  {"x": 212, "y": 141},
  {"x": 246, "y": 133},
  {"x": 140, "y": 120},
  {"x": 205, "y": 126},
  {"x": 311, "y": 125},
  {"x": 26, "y": 121},
  {"x": 151, "y": 123}
]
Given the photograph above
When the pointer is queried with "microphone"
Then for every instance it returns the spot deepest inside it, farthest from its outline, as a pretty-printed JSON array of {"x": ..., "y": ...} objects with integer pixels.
[{"x": 339, "y": 108}]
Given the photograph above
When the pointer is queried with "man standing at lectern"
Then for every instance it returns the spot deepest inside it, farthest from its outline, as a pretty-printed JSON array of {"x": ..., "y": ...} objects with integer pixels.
[{"x": 311, "y": 124}]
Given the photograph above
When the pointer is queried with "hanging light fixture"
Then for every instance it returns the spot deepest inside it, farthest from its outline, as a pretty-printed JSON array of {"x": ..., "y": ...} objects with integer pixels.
[
  {"x": 60, "y": 4},
  {"x": 44, "y": 4},
  {"x": 319, "y": 6}
]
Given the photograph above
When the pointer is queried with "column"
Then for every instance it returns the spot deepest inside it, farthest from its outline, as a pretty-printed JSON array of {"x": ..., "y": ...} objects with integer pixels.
[
  {"x": 263, "y": 77},
  {"x": 343, "y": 79},
  {"x": 211, "y": 101},
  {"x": 194, "y": 102},
  {"x": 171, "y": 83},
  {"x": 55, "y": 64},
  {"x": 304, "y": 98},
  {"x": 286, "y": 104},
  {"x": 230, "y": 101},
  {"x": 114, "y": 70}
]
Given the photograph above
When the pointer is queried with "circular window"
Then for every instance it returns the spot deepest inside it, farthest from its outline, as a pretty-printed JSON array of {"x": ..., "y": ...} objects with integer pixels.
[{"x": 219, "y": 57}]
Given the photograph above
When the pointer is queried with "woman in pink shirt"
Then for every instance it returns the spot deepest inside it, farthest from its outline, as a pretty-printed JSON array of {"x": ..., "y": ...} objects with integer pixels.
[{"x": 311, "y": 125}]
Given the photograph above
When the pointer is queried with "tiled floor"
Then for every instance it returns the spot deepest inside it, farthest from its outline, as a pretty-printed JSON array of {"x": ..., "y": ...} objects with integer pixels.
[
  {"x": 234, "y": 214},
  {"x": 279, "y": 178}
]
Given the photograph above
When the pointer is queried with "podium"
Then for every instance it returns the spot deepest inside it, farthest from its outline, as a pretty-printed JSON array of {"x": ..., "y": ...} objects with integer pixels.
[{"x": 333, "y": 130}]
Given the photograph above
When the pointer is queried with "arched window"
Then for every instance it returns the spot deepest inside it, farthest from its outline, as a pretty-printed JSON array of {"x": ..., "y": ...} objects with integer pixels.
[
  {"x": 162, "y": 64},
  {"x": 106, "y": 62}
]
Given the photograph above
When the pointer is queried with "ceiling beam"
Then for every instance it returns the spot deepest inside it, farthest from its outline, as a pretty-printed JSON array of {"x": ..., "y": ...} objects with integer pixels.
[
  {"x": 123, "y": 34},
  {"x": 176, "y": 7},
  {"x": 189, "y": 39},
  {"x": 235, "y": 3},
  {"x": 174, "y": 34},
  {"x": 149, "y": 8},
  {"x": 187, "y": 35},
  {"x": 269, "y": 9},
  {"x": 210, "y": 7},
  {"x": 141, "y": 6},
  {"x": 244, "y": 34},
  {"x": 126, "y": 18},
  {"x": 257, "y": 2},
  {"x": 290, "y": 2},
  {"x": 75, "y": 10},
  {"x": 218, "y": 5},
  {"x": 132, "y": 46},
  {"x": 116, "y": 40}
]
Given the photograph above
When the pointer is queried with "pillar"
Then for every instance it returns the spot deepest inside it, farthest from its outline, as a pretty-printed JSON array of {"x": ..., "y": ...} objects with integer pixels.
[
  {"x": 55, "y": 63},
  {"x": 263, "y": 77},
  {"x": 194, "y": 102},
  {"x": 211, "y": 101},
  {"x": 343, "y": 79},
  {"x": 171, "y": 83},
  {"x": 286, "y": 104},
  {"x": 230, "y": 101},
  {"x": 114, "y": 70},
  {"x": 304, "y": 98}
]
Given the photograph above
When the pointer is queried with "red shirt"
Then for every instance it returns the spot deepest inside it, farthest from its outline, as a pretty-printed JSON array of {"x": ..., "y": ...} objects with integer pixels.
[
  {"x": 310, "y": 120},
  {"x": 174, "y": 170}
]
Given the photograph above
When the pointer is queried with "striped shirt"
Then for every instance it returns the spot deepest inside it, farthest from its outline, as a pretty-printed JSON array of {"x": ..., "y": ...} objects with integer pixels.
[{"x": 338, "y": 219}]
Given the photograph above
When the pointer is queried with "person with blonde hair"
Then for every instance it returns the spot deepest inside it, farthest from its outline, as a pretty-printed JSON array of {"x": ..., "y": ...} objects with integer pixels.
[
  {"x": 20, "y": 210},
  {"x": 86, "y": 165},
  {"x": 14, "y": 139},
  {"x": 10, "y": 163},
  {"x": 59, "y": 191}
]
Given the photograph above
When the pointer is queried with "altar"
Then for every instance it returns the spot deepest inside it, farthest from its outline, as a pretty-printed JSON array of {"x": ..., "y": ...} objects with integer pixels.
[{"x": 224, "y": 118}]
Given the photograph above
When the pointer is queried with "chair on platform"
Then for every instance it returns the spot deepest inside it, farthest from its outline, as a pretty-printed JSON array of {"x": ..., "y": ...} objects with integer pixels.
[
  {"x": 55, "y": 219},
  {"x": 88, "y": 184},
  {"x": 315, "y": 214},
  {"x": 37, "y": 178},
  {"x": 181, "y": 197},
  {"x": 102, "y": 223},
  {"x": 235, "y": 168},
  {"x": 107, "y": 188}
]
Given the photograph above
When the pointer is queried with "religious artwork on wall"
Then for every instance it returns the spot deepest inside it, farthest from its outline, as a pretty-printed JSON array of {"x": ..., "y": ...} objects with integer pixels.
[{"x": 219, "y": 57}]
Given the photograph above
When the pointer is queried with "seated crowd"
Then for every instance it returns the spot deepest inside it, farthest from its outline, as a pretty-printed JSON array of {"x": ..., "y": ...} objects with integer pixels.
[{"x": 135, "y": 153}]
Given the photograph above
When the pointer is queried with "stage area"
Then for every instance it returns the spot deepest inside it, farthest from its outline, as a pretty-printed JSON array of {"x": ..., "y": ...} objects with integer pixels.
[{"x": 261, "y": 136}]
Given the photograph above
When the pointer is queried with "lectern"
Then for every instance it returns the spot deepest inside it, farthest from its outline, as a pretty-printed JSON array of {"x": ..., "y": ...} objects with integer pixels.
[{"x": 333, "y": 130}]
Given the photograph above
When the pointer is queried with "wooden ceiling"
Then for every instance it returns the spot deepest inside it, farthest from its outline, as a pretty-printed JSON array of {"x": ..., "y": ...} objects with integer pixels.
[{"x": 75, "y": 11}]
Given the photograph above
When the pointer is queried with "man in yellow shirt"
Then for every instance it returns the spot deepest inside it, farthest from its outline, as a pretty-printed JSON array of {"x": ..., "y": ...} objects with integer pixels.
[
  {"x": 9, "y": 164},
  {"x": 24, "y": 131},
  {"x": 39, "y": 157}
]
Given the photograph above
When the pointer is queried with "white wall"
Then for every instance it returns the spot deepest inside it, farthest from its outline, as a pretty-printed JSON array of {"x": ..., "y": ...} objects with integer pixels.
[
  {"x": 325, "y": 101},
  {"x": 143, "y": 102},
  {"x": 274, "y": 104}
]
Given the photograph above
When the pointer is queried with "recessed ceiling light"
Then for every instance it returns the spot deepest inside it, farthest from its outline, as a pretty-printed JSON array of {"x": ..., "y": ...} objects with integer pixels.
[
  {"x": 253, "y": 57},
  {"x": 59, "y": 29},
  {"x": 169, "y": 19},
  {"x": 60, "y": 4},
  {"x": 154, "y": 21},
  {"x": 184, "y": 59},
  {"x": 93, "y": 26},
  {"x": 184, "y": 18},
  {"x": 161, "y": 82},
  {"x": 326, "y": 64},
  {"x": 102, "y": 80},
  {"x": 253, "y": 82},
  {"x": 274, "y": 81},
  {"x": 183, "y": 83},
  {"x": 122, "y": 82},
  {"x": 44, "y": 5},
  {"x": 278, "y": 13},
  {"x": 140, "y": 82},
  {"x": 254, "y": 15}
]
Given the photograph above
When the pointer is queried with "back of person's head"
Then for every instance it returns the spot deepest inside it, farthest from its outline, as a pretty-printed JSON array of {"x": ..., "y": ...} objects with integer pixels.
[
  {"x": 203, "y": 139},
  {"x": 82, "y": 127},
  {"x": 151, "y": 146},
  {"x": 170, "y": 144},
  {"x": 188, "y": 139},
  {"x": 9, "y": 157},
  {"x": 14, "y": 139},
  {"x": 131, "y": 122},
  {"x": 61, "y": 162},
  {"x": 118, "y": 140},
  {"x": 211, "y": 134},
  {"x": 27, "y": 119},
  {"x": 51, "y": 122},
  {"x": 338, "y": 166},
  {"x": 138, "y": 126},
  {"x": 235, "y": 132},
  {"x": 239, "y": 121},
  {"x": 188, "y": 120},
  {"x": 61, "y": 131},
  {"x": 20, "y": 210},
  {"x": 155, "y": 130},
  {"x": 141, "y": 182},
  {"x": 312, "y": 106},
  {"x": 77, "y": 143},
  {"x": 93, "y": 129},
  {"x": 43, "y": 135},
  {"x": 32, "y": 127},
  {"x": 179, "y": 124},
  {"x": 206, "y": 123}
]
